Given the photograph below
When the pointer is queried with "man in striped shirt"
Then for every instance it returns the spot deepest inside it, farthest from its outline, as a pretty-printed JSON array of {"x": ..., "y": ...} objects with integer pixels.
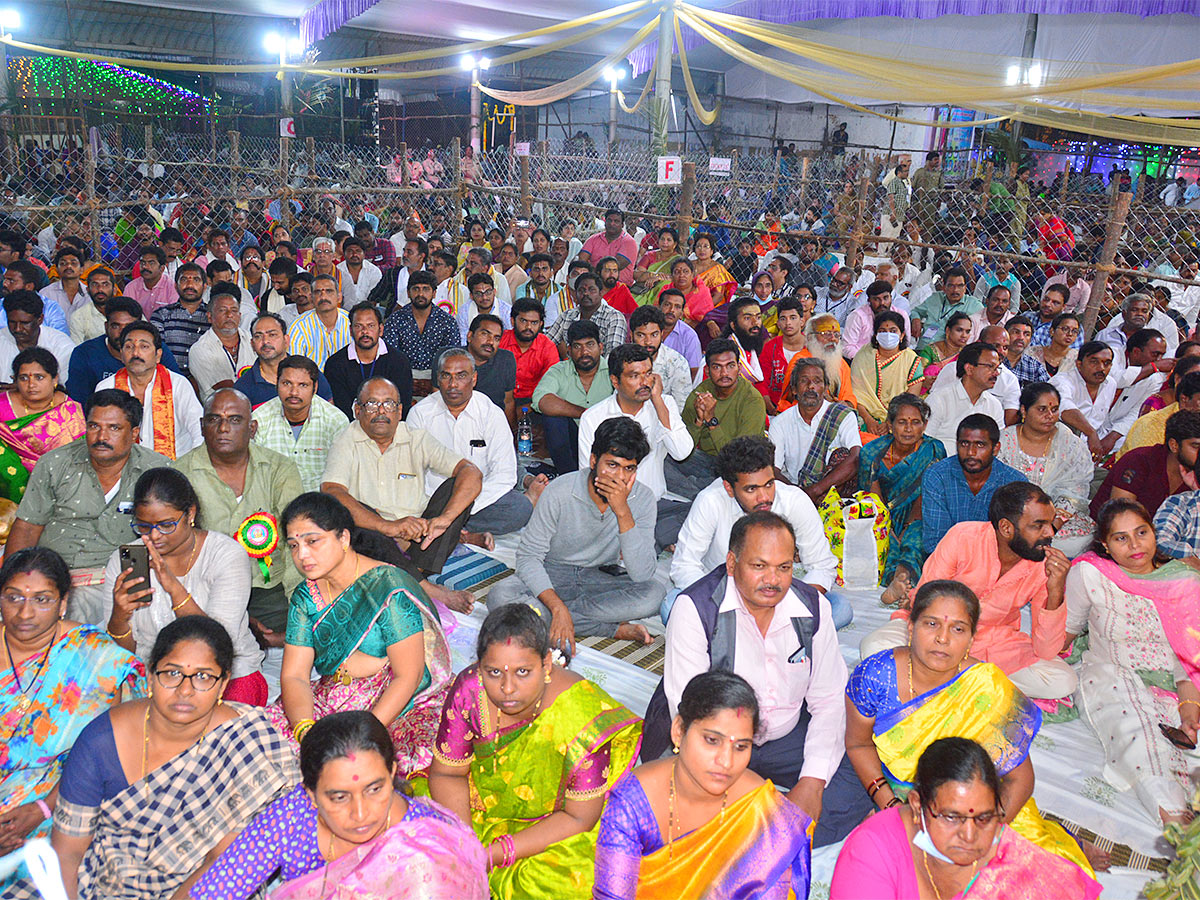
[{"x": 324, "y": 330}]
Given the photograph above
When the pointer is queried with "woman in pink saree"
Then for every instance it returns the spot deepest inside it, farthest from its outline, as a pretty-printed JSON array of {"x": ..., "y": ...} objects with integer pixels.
[
  {"x": 33, "y": 419},
  {"x": 346, "y": 831},
  {"x": 949, "y": 841}
]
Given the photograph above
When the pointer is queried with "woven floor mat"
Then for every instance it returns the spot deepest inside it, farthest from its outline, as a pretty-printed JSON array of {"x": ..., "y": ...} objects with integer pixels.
[
  {"x": 645, "y": 656},
  {"x": 1120, "y": 854}
]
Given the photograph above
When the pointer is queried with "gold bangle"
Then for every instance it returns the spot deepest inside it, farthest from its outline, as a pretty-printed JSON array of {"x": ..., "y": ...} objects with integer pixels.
[
  {"x": 182, "y": 603},
  {"x": 301, "y": 729},
  {"x": 1193, "y": 702},
  {"x": 119, "y": 637}
]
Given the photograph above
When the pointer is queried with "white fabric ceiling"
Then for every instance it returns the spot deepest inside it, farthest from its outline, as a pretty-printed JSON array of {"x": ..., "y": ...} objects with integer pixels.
[{"x": 1106, "y": 39}]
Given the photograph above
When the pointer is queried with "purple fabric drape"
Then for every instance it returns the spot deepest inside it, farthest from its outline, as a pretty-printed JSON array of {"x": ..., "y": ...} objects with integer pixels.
[
  {"x": 327, "y": 16},
  {"x": 786, "y": 11}
]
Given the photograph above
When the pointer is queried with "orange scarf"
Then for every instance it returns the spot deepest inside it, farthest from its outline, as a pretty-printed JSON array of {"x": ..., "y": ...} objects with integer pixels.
[{"x": 162, "y": 408}]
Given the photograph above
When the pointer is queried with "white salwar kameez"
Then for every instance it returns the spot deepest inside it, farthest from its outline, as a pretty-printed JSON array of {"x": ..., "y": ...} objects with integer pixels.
[{"x": 1125, "y": 635}]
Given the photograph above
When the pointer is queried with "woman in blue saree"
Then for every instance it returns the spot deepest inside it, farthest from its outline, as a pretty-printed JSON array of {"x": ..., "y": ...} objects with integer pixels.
[
  {"x": 891, "y": 466},
  {"x": 55, "y": 677}
]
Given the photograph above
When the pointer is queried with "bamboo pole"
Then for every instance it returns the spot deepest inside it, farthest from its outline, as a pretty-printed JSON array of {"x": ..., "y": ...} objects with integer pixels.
[{"x": 1118, "y": 210}]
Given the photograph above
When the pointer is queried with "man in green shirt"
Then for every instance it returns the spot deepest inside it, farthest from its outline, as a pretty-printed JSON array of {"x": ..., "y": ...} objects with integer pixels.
[
  {"x": 234, "y": 480},
  {"x": 723, "y": 406},
  {"x": 79, "y": 499},
  {"x": 569, "y": 389},
  {"x": 928, "y": 318}
]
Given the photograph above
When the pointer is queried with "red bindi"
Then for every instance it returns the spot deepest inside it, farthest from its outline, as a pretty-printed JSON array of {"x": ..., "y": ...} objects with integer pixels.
[
  {"x": 350, "y": 756},
  {"x": 508, "y": 642},
  {"x": 354, "y": 778}
]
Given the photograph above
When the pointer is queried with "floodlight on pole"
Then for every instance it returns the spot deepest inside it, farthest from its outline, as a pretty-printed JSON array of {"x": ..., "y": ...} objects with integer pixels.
[
  {"x": 485, "y": 62},
  {"x": 1013, "y": 75},
  {"x": 612, "y": 74},
  {"x": 273, "y": 42},
  {"x": 10, "y": 20},
  {"x": 467, "y": 63}
]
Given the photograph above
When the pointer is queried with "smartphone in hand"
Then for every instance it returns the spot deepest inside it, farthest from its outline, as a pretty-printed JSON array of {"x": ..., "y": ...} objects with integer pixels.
[{"x": 136, "y": 557}]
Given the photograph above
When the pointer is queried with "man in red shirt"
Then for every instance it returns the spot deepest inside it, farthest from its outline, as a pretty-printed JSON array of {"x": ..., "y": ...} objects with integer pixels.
[
  {"x": 613, "y": 241},
  {"x": 534, "y": 351},
  {"x": 616, "y": 294}
]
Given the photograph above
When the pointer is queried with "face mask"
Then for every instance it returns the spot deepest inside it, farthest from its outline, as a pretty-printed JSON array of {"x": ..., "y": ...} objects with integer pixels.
[
  {"x": 888, "y": 340},
  {"x": 922, "y": 841}
]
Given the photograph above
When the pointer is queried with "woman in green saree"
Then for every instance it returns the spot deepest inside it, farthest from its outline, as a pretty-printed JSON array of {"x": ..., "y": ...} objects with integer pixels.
[
  {"x": 33, "y": 419},
  {"x": 653, "y": 271},
  {"x": 891, "y": 466},
  {"x": 526, "y": 753},
  {"x": 369, "y": 630}
]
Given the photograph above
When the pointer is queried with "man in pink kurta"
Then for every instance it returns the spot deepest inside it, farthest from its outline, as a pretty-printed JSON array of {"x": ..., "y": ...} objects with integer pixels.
[{"x": 1009, "y": 563}]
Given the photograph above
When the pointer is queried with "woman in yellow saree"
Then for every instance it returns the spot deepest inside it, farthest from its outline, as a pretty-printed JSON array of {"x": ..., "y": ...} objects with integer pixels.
[
  {"x": 701, "y": 824},
  {"x": 721, "y": 284},
  {"x": 900, "y": 701},
  {"x": 525, "y": 754}
]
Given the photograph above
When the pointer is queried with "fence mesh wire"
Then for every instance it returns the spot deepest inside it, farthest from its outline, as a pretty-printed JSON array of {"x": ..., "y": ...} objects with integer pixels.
[{"x": 75, "y": 178}]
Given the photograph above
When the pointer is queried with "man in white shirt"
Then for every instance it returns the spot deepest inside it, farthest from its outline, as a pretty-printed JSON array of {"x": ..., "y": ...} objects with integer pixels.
[
  {"x": 1135, "y": 313},
  {"x": 153, "y": 384},
  {"x": 647, "y": 324},
  {"x": 1007, "y": 388},
  {"x": 807, "y": 434},
  {"x": 217, "y": 248},
  {"x": 1087, "y": 392},
  {"x": 359, "y": 274},
  {"x": 69, "y": 287},
  {"x": 779, "y": 635},
  {"x": 482, "y": 291},
  {"x": 475, "y": 428},
  {"x": 221, "y": 353},
  {"x": 25, "y": 329},
  {"x": 977, "y": 371},
  {"x": 86, "y": 317},
  {"x": 747, "y": 484},
  {"x": 638, "y": 395}
]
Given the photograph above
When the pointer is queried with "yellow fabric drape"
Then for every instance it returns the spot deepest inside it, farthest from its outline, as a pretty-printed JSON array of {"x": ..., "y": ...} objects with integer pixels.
[
  {"x": 645, "y": 89},
  {"x": 332, "y": 68},
  {"x": 565, "y": 89},
  {"x": 706, "y": 116}
]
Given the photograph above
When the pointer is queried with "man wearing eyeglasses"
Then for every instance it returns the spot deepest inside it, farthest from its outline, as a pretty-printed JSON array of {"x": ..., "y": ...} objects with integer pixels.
[
  {"x": 234, "y": 480},
  {"x": 978, "y": 368},
  {"x": 377, "y": 469},
  {"x": 79, "y": 498}
]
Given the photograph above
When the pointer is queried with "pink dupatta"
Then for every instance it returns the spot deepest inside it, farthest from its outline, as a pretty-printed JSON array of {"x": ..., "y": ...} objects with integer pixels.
[{"x": 1174, "y": 588}]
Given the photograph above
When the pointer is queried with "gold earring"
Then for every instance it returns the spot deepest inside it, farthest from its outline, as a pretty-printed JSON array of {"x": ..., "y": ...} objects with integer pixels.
[
  {"x": 675, "y": 749},
  {"x": 547, "y": 677}
]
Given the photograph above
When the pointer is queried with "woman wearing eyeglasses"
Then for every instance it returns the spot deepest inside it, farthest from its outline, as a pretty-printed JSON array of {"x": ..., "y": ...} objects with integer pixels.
[
  {"x": 193, "y": 572},
  {"x": 47, "y": 658},
  {"x": 1059, "y": 354},
  {"x": 949, "y": 840},
  {"x": 900, "y": 701},
  {"x": 155, "y": 788}
]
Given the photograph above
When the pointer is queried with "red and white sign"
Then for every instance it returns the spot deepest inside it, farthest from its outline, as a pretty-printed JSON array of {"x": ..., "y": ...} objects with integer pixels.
[
  {"x": 670, "y": 170},
  {"x": 719, "y": 165},
  {"x": 521, "y": 148},
  {"x": 287, "y": 127}
]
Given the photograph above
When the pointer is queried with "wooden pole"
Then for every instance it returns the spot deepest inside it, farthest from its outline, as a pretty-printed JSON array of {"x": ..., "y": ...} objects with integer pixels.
[
  {"x": 456, "y": 159},
  {"x": 90, "y": 184},
  {"x": 150, "y": 151},
  {"x": 804, "y": 164},
  {"x": 235, "y": 161},
  {"x": 1118, "y": 210},
  {"x": 988, "y": 171},
  {"x": 1066, "y": 188},
  {"x": 854, "y": 244},
  {"x": 687, "y": 194},
  {"x": 310, "y": 150},
  {"x": 404, "y": 167},
  {"x": 526, "y": 199}
]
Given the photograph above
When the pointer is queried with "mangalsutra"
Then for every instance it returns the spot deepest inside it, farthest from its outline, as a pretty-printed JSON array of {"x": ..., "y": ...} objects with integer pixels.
[
  {"x": 671, "y": 809},
  {"x": 929, "y": 874},
  {"x": 24, "y": 703}
]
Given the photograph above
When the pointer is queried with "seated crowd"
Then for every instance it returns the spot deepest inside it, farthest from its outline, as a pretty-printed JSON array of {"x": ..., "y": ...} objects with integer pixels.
[{"x": 235, "y": 460}]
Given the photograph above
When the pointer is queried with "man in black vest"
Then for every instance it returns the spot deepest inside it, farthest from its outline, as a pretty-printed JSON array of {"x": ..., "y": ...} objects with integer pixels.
[{"x": 751, "y": 618}]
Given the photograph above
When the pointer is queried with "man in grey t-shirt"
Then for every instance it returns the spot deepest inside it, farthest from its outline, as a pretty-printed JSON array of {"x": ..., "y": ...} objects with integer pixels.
[{"x": 585, "y": 528}]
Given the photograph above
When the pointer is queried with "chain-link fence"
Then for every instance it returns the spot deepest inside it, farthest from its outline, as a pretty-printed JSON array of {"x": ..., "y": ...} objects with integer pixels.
[{"x": 103, "y": 180}]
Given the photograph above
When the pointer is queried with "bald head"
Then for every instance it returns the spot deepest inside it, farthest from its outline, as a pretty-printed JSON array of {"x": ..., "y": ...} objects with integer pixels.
[{"x": 227, "y": 426}]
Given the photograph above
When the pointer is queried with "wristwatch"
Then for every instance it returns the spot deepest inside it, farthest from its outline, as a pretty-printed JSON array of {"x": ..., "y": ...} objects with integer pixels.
[{"x": 713, "y": 422}]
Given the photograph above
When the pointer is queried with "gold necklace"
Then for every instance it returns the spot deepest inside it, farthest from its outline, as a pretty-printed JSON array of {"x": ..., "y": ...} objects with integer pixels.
[
  {"x": 1045, "y": 444},
  {"x": 929, "y": 874},
  {"x": 146, "y": 734},
  {"x": 192, "y": 558},
  {"x": 387, "y": 823},
  {"x": 671, "y": 809}
]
